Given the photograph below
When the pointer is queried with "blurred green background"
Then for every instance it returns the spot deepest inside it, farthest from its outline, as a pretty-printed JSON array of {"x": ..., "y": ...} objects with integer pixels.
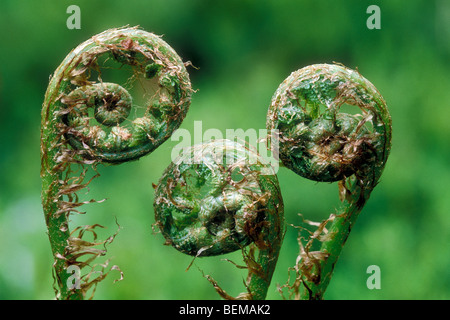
[{"x": 244, "y": 50}]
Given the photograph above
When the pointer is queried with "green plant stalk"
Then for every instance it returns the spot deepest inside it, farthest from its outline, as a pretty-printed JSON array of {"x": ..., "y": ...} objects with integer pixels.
[
  {"x": 332, "y": 245},
  {"x": 57, "y": 224},
  {"x": 58, "y": 233},
  {"x": 267, "y": 259},
  {"x": 69, "y": 138}
]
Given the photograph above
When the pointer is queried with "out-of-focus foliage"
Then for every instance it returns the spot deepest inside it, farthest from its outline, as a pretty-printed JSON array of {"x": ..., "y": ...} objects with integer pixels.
[{"x": 243, "y": 50}]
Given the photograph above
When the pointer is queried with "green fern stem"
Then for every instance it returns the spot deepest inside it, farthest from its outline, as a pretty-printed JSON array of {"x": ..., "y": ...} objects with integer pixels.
[
  {"x": 86, "y": 121},
  {"x": 321, "y": 141},
  {"x": 219, "y": 197}
]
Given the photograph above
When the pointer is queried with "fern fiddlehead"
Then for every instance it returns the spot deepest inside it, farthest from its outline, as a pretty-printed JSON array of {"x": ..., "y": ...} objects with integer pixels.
[
  {"x": 219, "y": 197},
  {"x": 86, "y": 121},
  {"x": 320, "y": 141}
]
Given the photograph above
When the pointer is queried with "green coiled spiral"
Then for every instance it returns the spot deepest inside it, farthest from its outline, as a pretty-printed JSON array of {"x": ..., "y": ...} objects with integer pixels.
[
  {"x": 320, "y": 141},
  {"x": 97, "y": 113},
  {"x": 219, "y": 197}
]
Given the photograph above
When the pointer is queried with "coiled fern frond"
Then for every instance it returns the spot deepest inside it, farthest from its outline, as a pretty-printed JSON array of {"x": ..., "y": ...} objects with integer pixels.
[
  {"x": 218, "y": 197},
  {"x": 332, "y": 125},
  {"x": 88, "y": 120}
]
